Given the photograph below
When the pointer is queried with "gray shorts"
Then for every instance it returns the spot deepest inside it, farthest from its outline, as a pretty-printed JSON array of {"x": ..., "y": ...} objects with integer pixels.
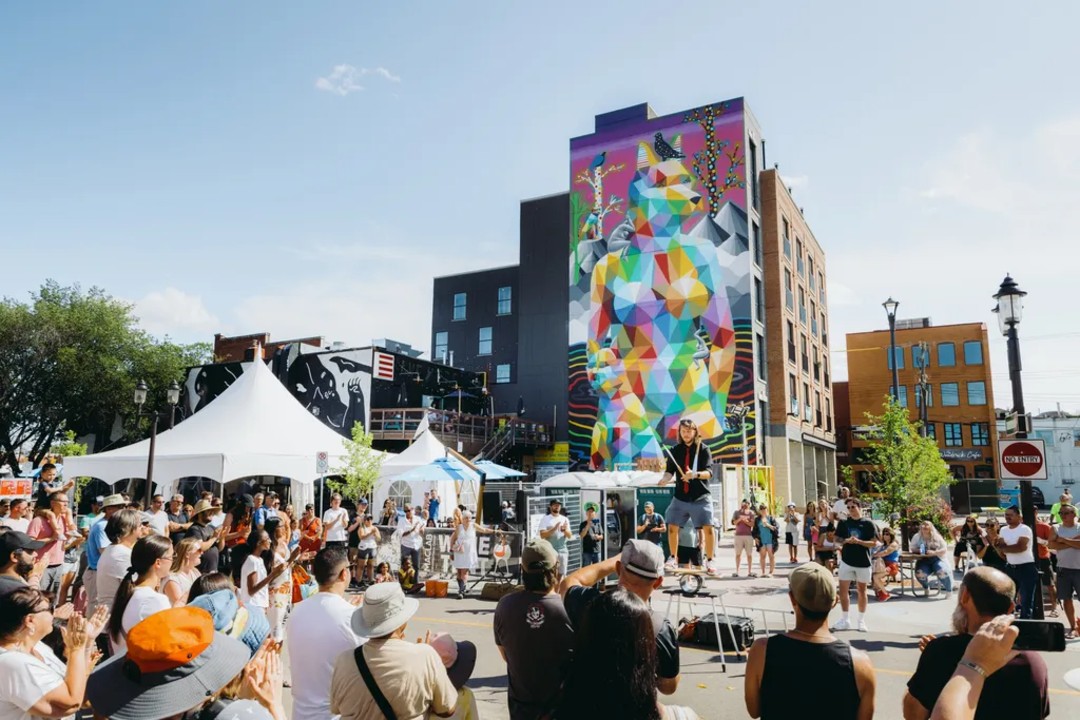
[
  {"x": 1068, "y": 583},
  {"x": 50, "y": 581},
  {"x": 699, "y": 512}
]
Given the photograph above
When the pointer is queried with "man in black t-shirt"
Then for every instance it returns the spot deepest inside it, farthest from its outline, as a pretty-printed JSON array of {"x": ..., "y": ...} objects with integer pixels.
[
  {"x": 688, "y": 463},
  {"x": 591, "y": 534},
  {"x": 652, "y": 525},
  {"x": 1018, "y": 690},
  {"x": 640, "y": 567},
  {"x": 857, "y": 537}
]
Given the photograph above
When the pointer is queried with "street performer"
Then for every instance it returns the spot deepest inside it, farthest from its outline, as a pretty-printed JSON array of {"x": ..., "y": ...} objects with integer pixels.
[{"x": 689, "y": 461}]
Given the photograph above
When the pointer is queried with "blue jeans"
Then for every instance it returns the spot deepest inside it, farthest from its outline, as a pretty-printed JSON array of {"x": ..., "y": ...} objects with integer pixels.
[
  {"x": 1025, "y": 577},
  {"x": 589, "y": 558},
  {"x": 925, "y": 567}
]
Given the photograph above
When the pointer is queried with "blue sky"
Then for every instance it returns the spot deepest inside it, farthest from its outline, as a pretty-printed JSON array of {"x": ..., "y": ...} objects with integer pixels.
[{"x": 185, "y": 156}]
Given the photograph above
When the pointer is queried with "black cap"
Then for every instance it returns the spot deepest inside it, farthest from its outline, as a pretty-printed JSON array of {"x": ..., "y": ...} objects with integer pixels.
[
  {"x": 14, "y": 540},
  {"x": 247, "y": 500}
]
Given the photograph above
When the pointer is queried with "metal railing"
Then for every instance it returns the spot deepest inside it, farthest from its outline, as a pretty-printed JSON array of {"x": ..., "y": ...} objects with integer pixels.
[{"x": 473, "y": 431}]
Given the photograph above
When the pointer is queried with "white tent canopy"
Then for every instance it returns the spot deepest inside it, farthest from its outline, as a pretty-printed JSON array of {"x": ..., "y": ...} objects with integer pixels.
[
  {"x": 253, "y": 428},
  {"x": 424, "y": 449}
]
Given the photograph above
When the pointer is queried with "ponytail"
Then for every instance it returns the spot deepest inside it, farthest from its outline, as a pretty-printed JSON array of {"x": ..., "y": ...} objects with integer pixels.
[{"x": 147, "y": 551}]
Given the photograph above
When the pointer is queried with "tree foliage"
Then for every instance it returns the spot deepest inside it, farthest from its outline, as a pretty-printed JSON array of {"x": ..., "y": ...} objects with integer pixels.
[
  {"x": 362, "y": 466},
  {"x": 70, "y": 361},
  {"x": 908, "y": 471}
]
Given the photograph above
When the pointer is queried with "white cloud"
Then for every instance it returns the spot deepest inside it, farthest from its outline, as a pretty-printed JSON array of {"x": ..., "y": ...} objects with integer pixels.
[
  {"x": 175, "y": 313},
  {"x": 795, "y": 181},
  {"x": 345, "y": 79}
]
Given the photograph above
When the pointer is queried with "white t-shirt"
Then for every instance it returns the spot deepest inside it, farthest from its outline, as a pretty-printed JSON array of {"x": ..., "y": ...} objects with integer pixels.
[
  {"x": 254, "y": 564},
  {"x": 840, "y": 508},
  {"x": 415, "y": 539},
  {"x": 368, "y": 542},
  {"x": 549, "y": 521},
  {"x": 113, "y": 565},
  {"x": 336, "y": 533},
  {"x": 24, "y": 680},
  {"x": 318, "y": 630},
  {"x": 159, "y": 523},
  {"x": 144, "y": 602},
  {"x": 22, "y": 524},
  {"x": 1012, "y": 536}
]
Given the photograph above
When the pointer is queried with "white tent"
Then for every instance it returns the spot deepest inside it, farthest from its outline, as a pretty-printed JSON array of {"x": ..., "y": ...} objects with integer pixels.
[
  {"x": 253, "y": 428},
  {"x": 424, "y": 449}
]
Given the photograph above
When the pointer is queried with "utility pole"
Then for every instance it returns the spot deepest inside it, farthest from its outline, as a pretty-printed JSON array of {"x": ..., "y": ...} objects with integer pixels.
[{"x": 924, "y": 387}]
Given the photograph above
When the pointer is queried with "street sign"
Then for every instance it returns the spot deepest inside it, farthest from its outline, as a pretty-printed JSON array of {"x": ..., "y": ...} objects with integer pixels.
[
  {"x": 1022, "y": 459},
  {"x": 1009, "y": 497},
  {"x": 1010, "y": 425},
  {"x": 322, "y": 463}
]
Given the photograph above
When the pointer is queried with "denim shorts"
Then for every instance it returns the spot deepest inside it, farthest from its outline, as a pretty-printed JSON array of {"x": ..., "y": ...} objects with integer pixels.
[{"x": 699, "y": 512}]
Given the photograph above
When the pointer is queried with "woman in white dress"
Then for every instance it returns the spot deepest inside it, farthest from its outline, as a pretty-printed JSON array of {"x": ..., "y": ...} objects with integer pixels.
[
  {"x": 463, "y": 545},
  {"x": 184, "y": 571}
]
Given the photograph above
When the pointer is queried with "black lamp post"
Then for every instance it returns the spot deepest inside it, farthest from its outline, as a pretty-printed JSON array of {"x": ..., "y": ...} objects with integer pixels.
[
  {"x": 1009, "y": 310},
  {"x": 890, "y": 306},
  {"x": 172, "y": 397}
]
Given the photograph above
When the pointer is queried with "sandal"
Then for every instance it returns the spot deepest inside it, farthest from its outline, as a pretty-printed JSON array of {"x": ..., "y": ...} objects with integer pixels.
[{"x": 1072, "y": 635}]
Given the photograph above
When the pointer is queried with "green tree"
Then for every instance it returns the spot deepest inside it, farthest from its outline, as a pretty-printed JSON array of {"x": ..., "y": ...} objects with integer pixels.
[
  {"x": 907, "y": 471},
  {"x": 67, "y": 447},
  {"x": 70, "y": 361},
  {"x": 361, "y": 469}
]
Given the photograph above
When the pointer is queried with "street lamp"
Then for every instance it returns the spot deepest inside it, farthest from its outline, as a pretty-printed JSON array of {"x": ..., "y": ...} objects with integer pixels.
[
  {"x": 890, "y": 306},
  {"x": 1009, "y": 311},
  {"x": 172, "y": 397}
]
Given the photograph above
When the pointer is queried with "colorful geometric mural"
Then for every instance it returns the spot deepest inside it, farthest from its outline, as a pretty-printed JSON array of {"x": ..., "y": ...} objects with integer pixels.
[{"x": 660, "y": 324}]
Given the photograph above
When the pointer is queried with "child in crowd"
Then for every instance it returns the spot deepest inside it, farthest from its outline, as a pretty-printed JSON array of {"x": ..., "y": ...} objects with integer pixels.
[
  {"x": 825, "y": 552},
  {"x": 382, "y": 573},
  {"x": 407, "y": 577}
]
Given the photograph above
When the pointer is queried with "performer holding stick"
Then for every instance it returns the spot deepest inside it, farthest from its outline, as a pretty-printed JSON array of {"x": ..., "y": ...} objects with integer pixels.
[{"x": 689, "y": 461}]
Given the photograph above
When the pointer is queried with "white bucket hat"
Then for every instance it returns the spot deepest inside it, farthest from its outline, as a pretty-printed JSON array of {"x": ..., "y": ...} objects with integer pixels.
[
  {"x": 384, "y": 610},
  {"x": 116, "y": 500}
]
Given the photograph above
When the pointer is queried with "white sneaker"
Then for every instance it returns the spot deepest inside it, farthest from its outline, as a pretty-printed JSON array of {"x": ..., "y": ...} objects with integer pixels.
[
  {"x": 672, "y": 563},
  {"x": 710, "y": 568},
  {"x": 862, "y": 625},
  {"x": 844, "y": 624}
]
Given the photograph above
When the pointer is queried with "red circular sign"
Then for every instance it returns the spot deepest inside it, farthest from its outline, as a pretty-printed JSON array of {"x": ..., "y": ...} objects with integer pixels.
[{"x": 1022, "y": 459}]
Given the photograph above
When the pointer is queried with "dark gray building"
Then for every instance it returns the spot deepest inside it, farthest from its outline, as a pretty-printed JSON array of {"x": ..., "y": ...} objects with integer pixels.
[{"x": 510, "y": 322}]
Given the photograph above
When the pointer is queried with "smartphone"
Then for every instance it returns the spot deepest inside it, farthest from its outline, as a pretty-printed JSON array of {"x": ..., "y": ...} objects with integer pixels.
[{"x": 1042, "y": 635}]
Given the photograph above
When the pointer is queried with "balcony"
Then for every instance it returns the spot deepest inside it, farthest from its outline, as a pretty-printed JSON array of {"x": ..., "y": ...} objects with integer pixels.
[{"x": 472, "y": 431}]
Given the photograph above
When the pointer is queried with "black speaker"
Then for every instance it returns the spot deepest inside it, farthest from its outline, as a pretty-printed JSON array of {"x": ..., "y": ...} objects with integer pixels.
[
  {"x": 521, "y": 506},
  {"x": 492, "y": 508}
]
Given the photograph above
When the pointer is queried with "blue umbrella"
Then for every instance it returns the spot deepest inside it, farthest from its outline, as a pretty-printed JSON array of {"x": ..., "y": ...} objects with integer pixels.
[
  {"x": 495, "y": 471},
  {"x": 439, "y": 469}
]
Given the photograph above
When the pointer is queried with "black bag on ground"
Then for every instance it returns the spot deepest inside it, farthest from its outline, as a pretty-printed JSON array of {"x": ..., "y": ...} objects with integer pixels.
[{"x": 743, "y": 627}]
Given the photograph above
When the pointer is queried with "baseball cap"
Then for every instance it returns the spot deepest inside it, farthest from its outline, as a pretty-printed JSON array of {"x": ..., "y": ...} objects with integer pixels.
[
  {"x": 459, "y": 658},
  {"x": 643, "y": 558},
  {"x": 588, "y": 506},
  {"x": 14, "y": 540},
  {"x": 99, "y": 500},
  {"x": 554, "y": 501},
  {"x": 813, "y": 588},
  {"x": 538, "y": 555}
]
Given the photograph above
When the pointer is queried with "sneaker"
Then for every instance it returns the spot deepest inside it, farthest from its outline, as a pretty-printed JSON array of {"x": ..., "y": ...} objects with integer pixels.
[
  {"x": 734, "y": 574},
  {"x": 862, "y": 625},
  {"x": 461, "y": 596},
  {"x": 844, "y": 624},
  {"x": 710, "y": 569},
  {"x": 671, "y": 564},
  {"x": 751, "y": 575}
]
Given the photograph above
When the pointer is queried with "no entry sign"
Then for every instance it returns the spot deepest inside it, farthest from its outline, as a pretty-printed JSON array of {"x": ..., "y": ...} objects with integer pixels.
[{"x": 1022, "y": 459}]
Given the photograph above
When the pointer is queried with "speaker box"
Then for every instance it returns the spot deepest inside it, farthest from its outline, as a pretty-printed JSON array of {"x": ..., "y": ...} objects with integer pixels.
[
  {"x": 492, "y": 508},
  {"x": 521, "y": 506}
]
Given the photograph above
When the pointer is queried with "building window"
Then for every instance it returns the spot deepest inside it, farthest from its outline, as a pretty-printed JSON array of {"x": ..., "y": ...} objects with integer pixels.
[
  {"x": 980, "y": 434},
  {"x": 810, "y": 275},
  {"x": 790, "y": 342},
  {"x": 821, "y": 288},
  {"x": 808, "y": 412},
  {"x": 505, "y": 300},
  {"x": 762, "y": 358},
  {"x": 929, "y": 396},
  {"x": 954, "y": 435},
  {"x": 950, "y": 394},
  {"x": 485, "y": 341},
  {"x": 901, "y": 395},
  {"x": 441, "y": 346},
  {"x": 824, "y": 331},
  {"x": 813, "y": 317},
  {"x": 825, "y": 366},
  {"x": 755, "y": 237},
  {"x": 759, "y": 299},
  {"x": 805, "y": 356},
  {"x": 946, "y": 355},
  {"x": 976, "y": 393},
  {"x": 817, "y": 409},
  {"x": 802, "y": 307},
  {"x": 899, "y": 359},
  {"x": 799, "y": 266},
  {"x": 1047, "y": 436},
  {"x": 973, "y": 354},
  {"x": 919, "y": 359},
  {"x": 817, "y": 366},
  {"x": 793, "y": 396},
  {"x": 459, "y": 306},
  {"x": 931, "y": 431},
  {"x": 751, "y": 175},
  {"x": 502, "y": 374},
  {"x": 787, "y": 240},
  {"x": 789, "y": 295},
  {"x": 828, "y": 415}
]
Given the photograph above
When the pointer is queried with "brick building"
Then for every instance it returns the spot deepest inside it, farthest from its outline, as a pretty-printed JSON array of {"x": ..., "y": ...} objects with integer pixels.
[
  {"x": 792, "y": 311},
  {"x": 239, "y": 348},
  {"x": 954, "y": 361}
]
